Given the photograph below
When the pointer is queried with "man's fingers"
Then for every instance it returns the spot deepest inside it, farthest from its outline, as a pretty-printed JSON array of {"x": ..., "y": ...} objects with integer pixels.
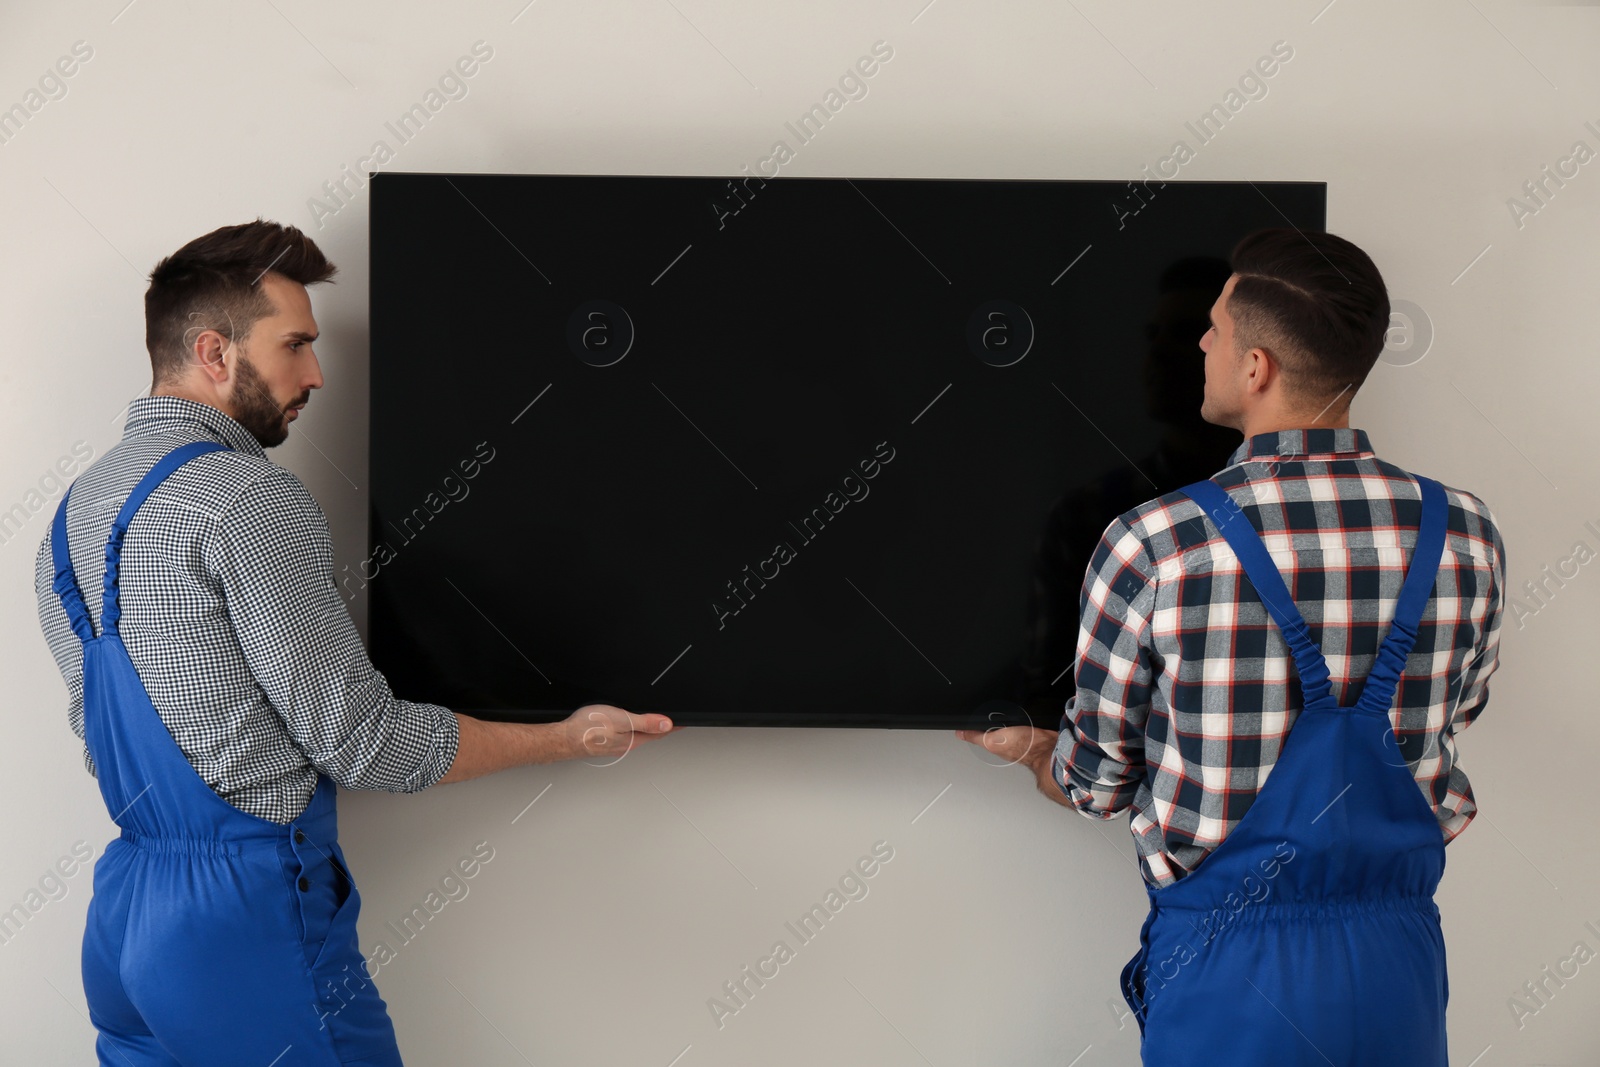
[
  {"x": 995, "y": 735},
  {"x": 649, "y": 723},
  {"x": 1008, "y": 741},
  {"x": 599, "y": 718},
  {"x": 1000, "y": 740}
]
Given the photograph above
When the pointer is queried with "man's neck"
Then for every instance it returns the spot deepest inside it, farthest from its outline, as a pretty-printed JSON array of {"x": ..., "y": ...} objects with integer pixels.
[
  {"x": 183, "y": 392},
  {"x": 1276, "y": 423}
]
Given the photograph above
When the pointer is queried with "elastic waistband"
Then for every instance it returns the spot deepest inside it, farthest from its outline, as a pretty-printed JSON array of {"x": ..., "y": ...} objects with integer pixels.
[
  {"x": 203, "y": 845},
  {"x": 1335, "y": 909}
]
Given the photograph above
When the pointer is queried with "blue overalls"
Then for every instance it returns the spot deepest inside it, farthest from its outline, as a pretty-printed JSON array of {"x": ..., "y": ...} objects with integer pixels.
[
  {"x": 214, "y": 937},
  {"x": 1310, "y": 935}
]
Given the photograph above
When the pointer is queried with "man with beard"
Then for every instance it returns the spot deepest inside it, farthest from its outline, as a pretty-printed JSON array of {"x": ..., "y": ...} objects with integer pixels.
[{"x": 222, "y": 691}]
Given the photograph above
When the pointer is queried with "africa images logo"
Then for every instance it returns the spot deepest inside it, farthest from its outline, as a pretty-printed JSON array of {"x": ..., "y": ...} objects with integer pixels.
[{"x": 600, "y": 332}]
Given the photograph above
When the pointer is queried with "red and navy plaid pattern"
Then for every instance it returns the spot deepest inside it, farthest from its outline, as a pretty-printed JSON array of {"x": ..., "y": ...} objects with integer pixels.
[{"x": 1186, "y": 689}]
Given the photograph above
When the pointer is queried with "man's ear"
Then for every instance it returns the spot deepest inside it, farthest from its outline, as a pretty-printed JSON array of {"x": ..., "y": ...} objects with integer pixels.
[
  {"x": 1263, "y": 368},
  {"x": 211, "y": 352}
]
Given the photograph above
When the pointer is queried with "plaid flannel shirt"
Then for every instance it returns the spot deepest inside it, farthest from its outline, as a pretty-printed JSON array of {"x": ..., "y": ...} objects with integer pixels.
[{"x": 1186, "y": 689}]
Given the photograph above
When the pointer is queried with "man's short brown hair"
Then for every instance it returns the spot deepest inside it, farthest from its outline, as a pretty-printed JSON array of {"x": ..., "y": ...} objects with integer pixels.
[
  {"x": 1317, "y": 303},
  {"x": 213, "y": 283}
]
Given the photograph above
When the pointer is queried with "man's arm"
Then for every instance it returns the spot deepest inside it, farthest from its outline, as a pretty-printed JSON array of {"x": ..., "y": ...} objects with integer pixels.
[
  {"x": 1096, "y": 764},
  {"x": 64, "y": 644},
  {"x": 272, "y": 557},
  {"x": 594, "y": 730},
  {"x": 1475, "y": 678},
  {"x": 1458, "y": 806},
  {"x": 1099, "y": 757}
]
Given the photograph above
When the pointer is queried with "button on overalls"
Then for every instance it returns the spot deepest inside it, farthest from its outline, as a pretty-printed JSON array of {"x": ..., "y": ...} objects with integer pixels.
[
  {"x": 1310, "y": 935},
  {"x": 214, "y": 937}
]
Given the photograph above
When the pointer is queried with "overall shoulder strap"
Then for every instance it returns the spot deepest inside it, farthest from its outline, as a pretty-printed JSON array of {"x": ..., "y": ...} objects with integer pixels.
[
  {"x": 110, "y": 607},
  {"x": 1384, "y": 678},
  {"x": 1263, "y": 574},
  {"x": 66, "y": 582}
]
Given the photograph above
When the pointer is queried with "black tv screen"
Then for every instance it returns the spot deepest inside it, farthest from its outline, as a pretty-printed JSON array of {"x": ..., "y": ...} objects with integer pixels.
[{"x": 786, "y": 452}]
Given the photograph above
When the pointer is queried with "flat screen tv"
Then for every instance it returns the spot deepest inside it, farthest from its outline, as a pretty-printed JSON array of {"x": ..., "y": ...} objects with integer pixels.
[{"x": 786, "y": 452}]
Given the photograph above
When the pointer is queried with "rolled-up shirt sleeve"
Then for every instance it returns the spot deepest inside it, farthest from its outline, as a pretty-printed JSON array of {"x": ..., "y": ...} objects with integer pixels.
[
  {"x": 1099, "y": 756},
  {"x": 273, "y": 559}
]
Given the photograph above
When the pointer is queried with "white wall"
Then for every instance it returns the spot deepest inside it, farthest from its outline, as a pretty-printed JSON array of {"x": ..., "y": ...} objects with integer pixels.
[{"x": 620, "y": 902}]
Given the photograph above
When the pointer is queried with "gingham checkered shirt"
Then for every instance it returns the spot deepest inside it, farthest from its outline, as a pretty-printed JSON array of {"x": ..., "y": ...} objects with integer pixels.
[
  {"x": 1186, "y": 688},
  {"x": 233, "y": 622}
]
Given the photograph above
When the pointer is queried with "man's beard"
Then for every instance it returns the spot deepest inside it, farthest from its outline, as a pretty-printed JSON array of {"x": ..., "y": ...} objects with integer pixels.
[{"x": 255, "y": 409}]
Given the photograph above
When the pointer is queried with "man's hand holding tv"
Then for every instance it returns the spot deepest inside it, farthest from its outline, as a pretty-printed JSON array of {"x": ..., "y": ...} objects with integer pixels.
[
  {"x": 1028, "y": 746},
  {"x": 601, "y": 730},
  {"x": 610, "y": 733}
]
